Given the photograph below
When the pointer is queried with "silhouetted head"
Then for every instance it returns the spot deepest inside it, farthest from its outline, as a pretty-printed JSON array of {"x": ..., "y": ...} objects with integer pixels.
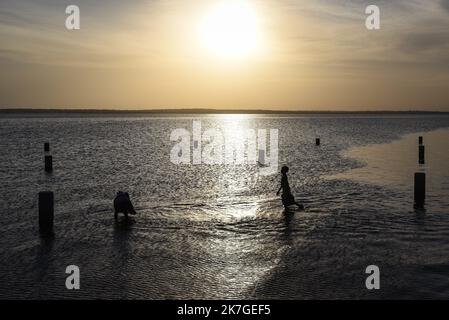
[
  {"x": 284, "y": 170},
  {"x": 122, "y": 194}
]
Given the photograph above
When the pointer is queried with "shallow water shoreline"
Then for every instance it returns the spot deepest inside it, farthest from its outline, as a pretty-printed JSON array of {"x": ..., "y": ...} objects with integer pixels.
[{"x": 205, "y": 232}]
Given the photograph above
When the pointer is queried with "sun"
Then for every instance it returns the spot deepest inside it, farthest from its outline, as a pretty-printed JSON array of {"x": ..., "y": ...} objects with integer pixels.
[{"x": 230, "y": 30}]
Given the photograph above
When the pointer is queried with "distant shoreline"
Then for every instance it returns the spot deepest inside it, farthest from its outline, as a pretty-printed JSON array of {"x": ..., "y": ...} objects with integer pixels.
[{"x": 207, "y": 111}]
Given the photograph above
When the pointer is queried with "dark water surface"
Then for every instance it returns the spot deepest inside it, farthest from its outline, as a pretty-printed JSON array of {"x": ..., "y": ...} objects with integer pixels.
[{"x": 219, "y": 231}]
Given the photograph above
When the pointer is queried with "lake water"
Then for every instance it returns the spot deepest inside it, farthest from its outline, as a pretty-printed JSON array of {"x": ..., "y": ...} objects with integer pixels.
[{"x": 219, "y": 231}]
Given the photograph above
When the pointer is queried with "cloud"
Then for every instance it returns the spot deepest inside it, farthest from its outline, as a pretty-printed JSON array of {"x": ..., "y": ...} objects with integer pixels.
[
  {"x": 150, "y": 42},
  {"x": 445, "y": 4},
  {"x": 34, "y": 32},
  {"x": 426, "y": 41}
]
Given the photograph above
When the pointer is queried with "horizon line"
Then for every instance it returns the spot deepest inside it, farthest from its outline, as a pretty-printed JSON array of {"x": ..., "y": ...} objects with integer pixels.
[{"x": 211, "y": 111}]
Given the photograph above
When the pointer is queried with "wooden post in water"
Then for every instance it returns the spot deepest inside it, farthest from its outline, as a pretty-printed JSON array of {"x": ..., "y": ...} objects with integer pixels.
[
  {"x": 262, "y": 157},
  {"x": 420, "y": 140},
  {"x": 48, "y": 163},
  {"x": 420, "y": 189},
  {"x": 318, "y": 141},
  {"x": 421, "y": 154},
  {"x": 46, "y": 212},
  {"x": 47, "y": 146}
]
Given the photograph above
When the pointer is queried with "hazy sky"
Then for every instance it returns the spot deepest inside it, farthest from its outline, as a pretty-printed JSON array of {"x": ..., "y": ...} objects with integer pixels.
[{"x": 314, "y": 55}]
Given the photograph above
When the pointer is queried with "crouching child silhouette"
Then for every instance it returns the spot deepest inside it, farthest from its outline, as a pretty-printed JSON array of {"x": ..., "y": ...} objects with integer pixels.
[
  {"x": 122, "y": 203},
  {"x": 287, "y": 197}
]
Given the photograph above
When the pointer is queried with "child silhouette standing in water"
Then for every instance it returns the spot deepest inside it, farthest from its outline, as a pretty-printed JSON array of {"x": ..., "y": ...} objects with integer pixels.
[{"x": 287, "y": 197}]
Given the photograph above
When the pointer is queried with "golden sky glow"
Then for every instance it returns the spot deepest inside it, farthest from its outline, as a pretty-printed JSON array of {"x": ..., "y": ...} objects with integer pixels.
[{"x": 273, "y": 54}]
